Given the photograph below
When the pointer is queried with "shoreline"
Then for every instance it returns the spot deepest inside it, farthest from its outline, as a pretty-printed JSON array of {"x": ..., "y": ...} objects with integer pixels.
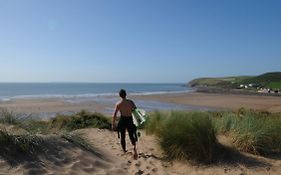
[{"x": 187, "y": 101}]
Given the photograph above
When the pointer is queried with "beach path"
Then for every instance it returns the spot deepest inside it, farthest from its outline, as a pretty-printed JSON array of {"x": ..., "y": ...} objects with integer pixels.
[
  {"x": 149, "y": 155},
  {"x": 151, "y": 159},
  {"x": 107, "y": 158}
]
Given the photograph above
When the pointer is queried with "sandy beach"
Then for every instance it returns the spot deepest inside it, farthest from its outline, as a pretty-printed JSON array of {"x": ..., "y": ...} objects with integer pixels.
[
  {"x": 108, "y": 159},
  {"x": 50, "y": 106},
  {"x": 220, "y": 101},
  {"x": 187, "y": 101}
]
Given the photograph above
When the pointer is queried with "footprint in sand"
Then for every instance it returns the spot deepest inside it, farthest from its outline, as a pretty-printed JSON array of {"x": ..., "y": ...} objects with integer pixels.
[
  {"x": 154, "y": 170},
  {"x": 138, "y": 164},
  {"x": 140, "y": 172},
  {"x": 129, "y": 163}
]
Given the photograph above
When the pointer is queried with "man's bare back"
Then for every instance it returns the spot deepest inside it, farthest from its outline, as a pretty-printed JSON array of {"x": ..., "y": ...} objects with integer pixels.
[{"x": 126, "y": 107}]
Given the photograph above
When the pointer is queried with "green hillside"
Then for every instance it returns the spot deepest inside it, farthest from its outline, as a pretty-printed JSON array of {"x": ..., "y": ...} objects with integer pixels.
[
  {"x": 218, "y": 82},
  {"x": 268, "y": 80}
]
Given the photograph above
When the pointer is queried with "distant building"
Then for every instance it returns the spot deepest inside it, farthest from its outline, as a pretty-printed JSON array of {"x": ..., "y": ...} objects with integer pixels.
[
  {"x": 262, "y": 90},
  {"x": 254, "y": 85},
  {"x": 251, "y": 85}
]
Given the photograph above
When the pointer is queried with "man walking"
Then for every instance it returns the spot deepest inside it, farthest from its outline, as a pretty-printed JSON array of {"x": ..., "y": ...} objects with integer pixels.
[{"x": 125, "y": 107}]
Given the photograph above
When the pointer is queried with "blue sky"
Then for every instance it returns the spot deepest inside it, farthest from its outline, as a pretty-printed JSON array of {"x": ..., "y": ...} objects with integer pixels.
[{"x": 137, "y": 40}]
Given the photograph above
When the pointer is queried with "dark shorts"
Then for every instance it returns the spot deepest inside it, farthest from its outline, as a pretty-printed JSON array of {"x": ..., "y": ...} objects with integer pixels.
[{"x": 126, "y": 123}]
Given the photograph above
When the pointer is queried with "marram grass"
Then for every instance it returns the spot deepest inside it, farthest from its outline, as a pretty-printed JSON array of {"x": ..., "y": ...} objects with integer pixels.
[
  {"x": 13, "y": 145},
  {"x": 29, "y": 142},
  {"x": 185, "y": 136},
  {"x": 80, "y": 120},
  {"x": 250, "y": 131}
]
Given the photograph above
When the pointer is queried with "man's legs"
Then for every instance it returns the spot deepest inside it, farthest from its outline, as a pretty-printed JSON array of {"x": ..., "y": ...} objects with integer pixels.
[
  {"x": 123, "y": 142},
  {"x": 132, "y": 135}
]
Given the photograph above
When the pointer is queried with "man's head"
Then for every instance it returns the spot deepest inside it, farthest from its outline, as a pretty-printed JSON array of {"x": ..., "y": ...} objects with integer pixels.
[{"x": 122, "y": 93}]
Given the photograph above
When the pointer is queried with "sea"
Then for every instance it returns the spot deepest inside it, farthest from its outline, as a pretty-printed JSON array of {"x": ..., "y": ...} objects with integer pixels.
[
  {"x": 106, "y": 93},
  {"x": 9, "y": 91}
]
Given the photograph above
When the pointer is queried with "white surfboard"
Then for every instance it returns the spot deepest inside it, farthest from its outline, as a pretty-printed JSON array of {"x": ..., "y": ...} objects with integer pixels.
[{"x": 139, "y": 116}]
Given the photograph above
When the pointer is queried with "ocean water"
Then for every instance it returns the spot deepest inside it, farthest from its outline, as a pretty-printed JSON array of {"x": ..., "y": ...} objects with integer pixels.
[
  {"x": 104, "y": 93},
  {"x": 10, "y": 91}
]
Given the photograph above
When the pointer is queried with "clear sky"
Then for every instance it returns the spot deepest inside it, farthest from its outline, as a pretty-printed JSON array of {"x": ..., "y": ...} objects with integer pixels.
[{"x": 137, "y": 40}]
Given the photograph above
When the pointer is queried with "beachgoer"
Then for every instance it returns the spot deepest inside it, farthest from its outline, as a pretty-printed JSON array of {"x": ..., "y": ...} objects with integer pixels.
[{"x": 125, "y": 107}]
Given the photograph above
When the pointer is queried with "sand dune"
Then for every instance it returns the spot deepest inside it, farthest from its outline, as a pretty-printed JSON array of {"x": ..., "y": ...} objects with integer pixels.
[
  {"x": 62, "y": 157},
  {"x": 65, "y": 158},
  {"x": 151, "y": 159}
]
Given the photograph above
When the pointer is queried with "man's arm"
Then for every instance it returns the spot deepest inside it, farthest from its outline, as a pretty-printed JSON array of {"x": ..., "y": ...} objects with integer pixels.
[
  {"x": 133, "y": 105},
  {"x": 114, "y": 117}
]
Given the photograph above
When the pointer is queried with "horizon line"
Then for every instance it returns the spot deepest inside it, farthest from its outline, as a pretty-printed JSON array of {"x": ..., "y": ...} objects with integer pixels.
[{"x": 95, "y": 82}]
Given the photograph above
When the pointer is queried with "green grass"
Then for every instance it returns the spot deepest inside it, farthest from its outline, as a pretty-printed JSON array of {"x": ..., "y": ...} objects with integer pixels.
[
  {"x": 12, "y": 145},
  {"x": 8, "y": 117},
  {"x": 182, "y": 135},
  {"x": 271, "y": 80},
  {"x": 219, "y": 82},
  {"x": 265, "y": 79},
  {"x": 185, "y": 136},
  {"x": 35, "y": 126},
  {"x": 192, "y": 135},
  {"x": 21, "y": 135},
  {"x": 80, "y": 120},
  {"x": 21, "y": 121},
  {"x": 274, "y": 85},
  {"x": 250, "y": 131}
]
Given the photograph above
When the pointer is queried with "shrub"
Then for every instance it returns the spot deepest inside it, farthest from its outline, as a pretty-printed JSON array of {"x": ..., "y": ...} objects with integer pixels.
[
  {"x": 183, "y": 135},
  {"x": 12, "y": 145},
  {"x": 8, "y": 117},
  {"x": 80, "y": 120},
  {"x": 35, "y": 126},
  {"x": 224, "y": 122}
]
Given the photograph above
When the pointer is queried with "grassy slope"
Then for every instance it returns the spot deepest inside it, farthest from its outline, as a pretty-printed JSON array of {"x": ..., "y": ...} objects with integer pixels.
[
  {"x": 221, "y": 82},
  {"x": 270, "y": 80}
]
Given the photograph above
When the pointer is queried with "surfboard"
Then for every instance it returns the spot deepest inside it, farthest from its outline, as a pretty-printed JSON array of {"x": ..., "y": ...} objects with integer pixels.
[{"x": 139, "y": 116}]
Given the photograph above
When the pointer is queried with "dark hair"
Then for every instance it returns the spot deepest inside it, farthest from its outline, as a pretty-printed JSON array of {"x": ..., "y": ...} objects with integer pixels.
[{"x": 122, "y": 93}]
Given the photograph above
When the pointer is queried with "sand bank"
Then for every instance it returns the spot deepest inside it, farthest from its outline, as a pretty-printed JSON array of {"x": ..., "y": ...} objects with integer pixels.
[
  {"x": 220, "y": 101},
  {"x": 182, "y": 101}
]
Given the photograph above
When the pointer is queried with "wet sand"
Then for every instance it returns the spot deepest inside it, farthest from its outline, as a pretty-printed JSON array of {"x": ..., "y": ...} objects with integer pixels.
[
  {"x": 181, "y": 101},
  {"x": 220, "y": 101},
  {"x": 50, "y": 107}
]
